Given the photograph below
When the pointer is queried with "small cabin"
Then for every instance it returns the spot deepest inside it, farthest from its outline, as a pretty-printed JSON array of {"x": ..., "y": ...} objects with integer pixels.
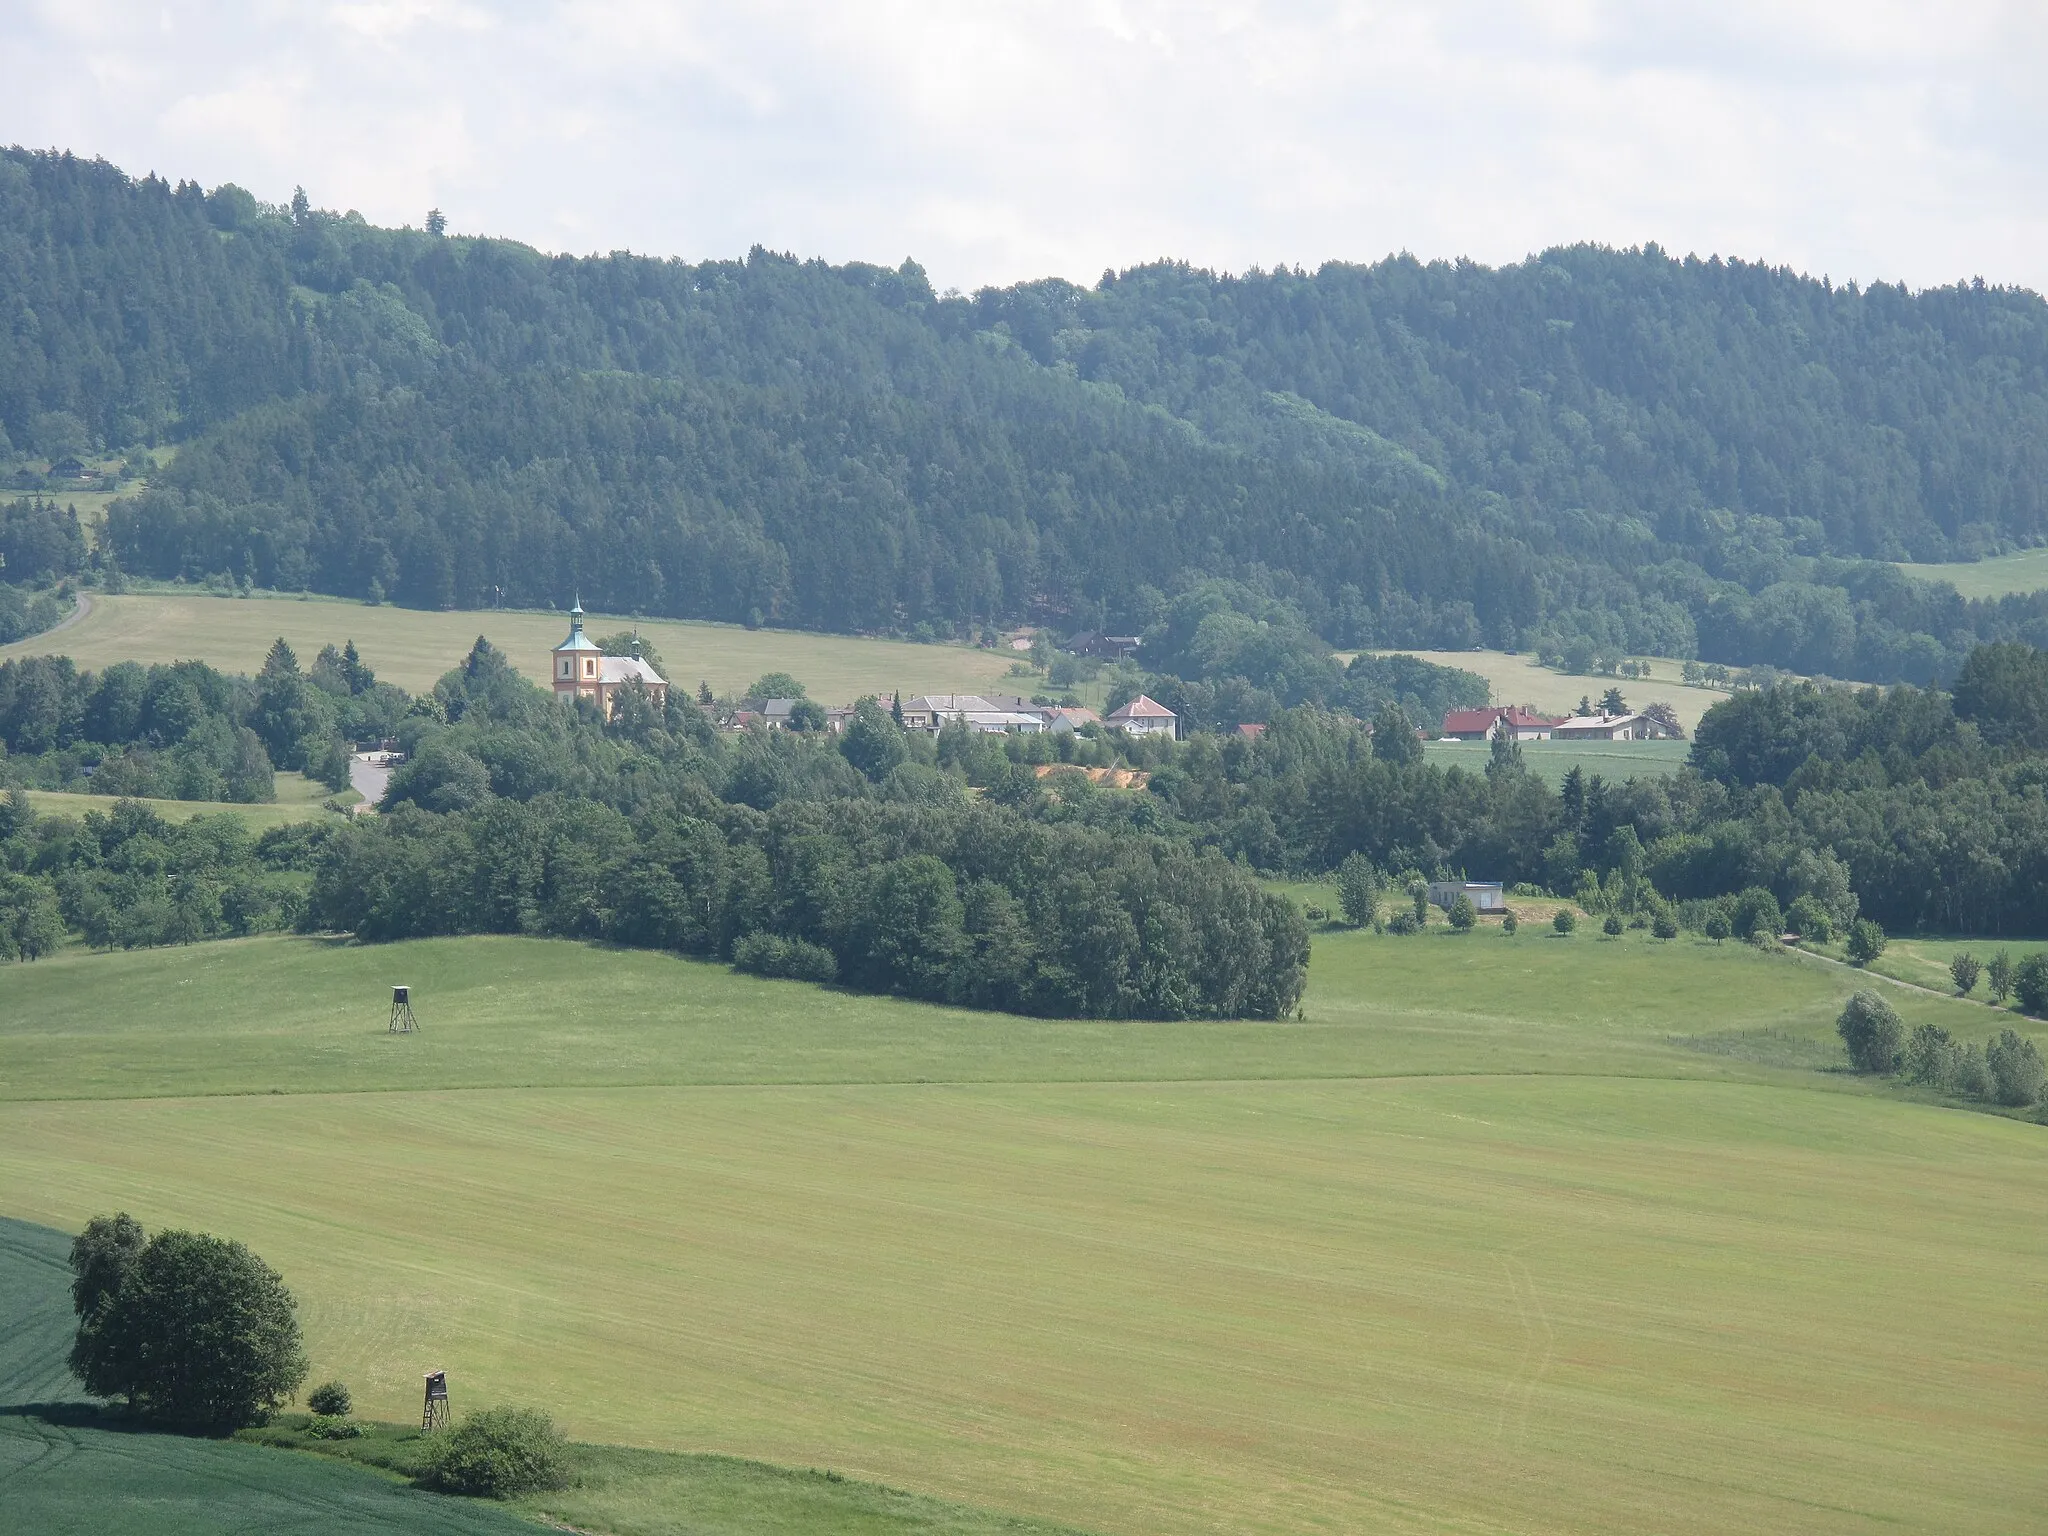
[{"x": 1485, "y": 895}]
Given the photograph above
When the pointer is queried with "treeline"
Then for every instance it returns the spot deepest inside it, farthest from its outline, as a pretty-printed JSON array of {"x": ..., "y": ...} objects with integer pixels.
[
  {"x": 184, "y": 731},
  {"x": 1646, "y": 455}
]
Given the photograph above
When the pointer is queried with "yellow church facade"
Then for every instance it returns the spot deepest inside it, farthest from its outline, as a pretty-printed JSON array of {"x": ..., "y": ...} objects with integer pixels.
[{"x": 581, "y": 670}]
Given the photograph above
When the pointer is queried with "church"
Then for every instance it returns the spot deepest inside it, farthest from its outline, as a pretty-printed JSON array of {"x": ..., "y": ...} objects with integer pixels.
[{"x": 583, "y": 671}]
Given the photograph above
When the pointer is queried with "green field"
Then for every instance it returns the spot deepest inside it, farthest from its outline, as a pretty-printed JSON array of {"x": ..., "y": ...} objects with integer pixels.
[
  {"x": 298, "y": 799},
  {"x": 1530, "y": 1234},
  {"x": 1552, "y": 760},
  {"x": 412, "y": 647},
  {"x": 2025, "y": 571}
]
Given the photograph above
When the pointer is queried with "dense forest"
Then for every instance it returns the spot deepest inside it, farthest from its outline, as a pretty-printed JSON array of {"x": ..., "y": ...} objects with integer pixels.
[{"x": 1623, "y": 448}]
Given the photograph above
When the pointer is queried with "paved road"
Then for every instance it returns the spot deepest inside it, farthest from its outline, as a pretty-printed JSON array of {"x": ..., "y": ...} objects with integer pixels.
[
  {"x": 84, "y": 607},
  {"x": 367, "y": 778}
]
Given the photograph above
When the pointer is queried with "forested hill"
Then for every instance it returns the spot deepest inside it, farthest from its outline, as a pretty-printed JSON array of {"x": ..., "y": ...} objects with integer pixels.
[{"x": 1680, "y": 457}]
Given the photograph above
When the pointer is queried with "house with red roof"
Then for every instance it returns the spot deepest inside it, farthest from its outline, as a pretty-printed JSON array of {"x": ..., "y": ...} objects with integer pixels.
[{"x": 1478, "y": 724}]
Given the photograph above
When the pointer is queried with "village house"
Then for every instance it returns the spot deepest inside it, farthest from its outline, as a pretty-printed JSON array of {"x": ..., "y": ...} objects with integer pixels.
[
  {"x": 931, "y": 712},
  {"x": 1605, "y": 727},
  {"x": 1485, "y": 895},
  {"x": 581, "y": 670},
  {"x": 1145, "y": 717},
  {"x": 1519, "y": 720}
]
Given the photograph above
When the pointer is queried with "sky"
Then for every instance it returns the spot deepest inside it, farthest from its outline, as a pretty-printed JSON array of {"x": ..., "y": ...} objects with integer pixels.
[{"x": 1002, "y": 141}]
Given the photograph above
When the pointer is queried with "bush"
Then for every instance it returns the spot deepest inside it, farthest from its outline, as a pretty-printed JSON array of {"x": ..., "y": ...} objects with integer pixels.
[
  {"x": 769, "y": 954},
  {"x": 1358, "y": 890},
  {"x": 1463, "y": 913},
  {"x": 1613, "y": 926},
  {"x": 198, "y": 1331},
  {"x": 1934, "y": 1058},
  {"x": 1565, "y": 921},
  {"x": 1717, "y": 925},
  {"x": 334, "y": 1427},
  {"x": 1809, "y": 919},
  {"x": 1873, "y": 1033},
  {"x": 1964, "y": 970},
  {"x": 1509, "y": 923},
  {"x": 1866, "y": 941},
  {"x": 499, "y": 1452},
  {"x": 330, "y": 1400},
  {"x": 1403, "y": 922},
  {"x": 1419, "y": 900},
  {"x": 1663, "y": 926},
  {"x": 1756, "y": 912},
  {"x": 1998, "y": 974},
  {"x": 2030, "y": 983},
  {"x": 2017, "y": 1072}
]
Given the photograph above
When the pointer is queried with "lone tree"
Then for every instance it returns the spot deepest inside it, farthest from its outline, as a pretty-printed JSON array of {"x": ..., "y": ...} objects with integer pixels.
[
  {"x": 1358, "y": 890},
  {"x": 2017, "y": 1072},
  {"x": 192, "y": 1330},
  {"x": 1871, "y": 1030},
  {"x": 1509, "y": 923},
  {"x": 1612, "y": 926},
  {"x": 1998, "y": 974},
  {"x": 1663, "y": 926},
  {"x": 1420, "y": 897},
  {"x": 1463, "y": 913},
  {"x": 1964, "y": 971},
  {"x": 1565, "y": 921},
  {"x": 1866, "y": 941},
  {"x": 1717, "y": 925},
  {"x": 2030, "y": 983}
]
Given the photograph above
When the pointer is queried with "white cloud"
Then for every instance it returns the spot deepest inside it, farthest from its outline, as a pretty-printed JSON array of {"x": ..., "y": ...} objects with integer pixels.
[{"x": 1013, "y": 138}]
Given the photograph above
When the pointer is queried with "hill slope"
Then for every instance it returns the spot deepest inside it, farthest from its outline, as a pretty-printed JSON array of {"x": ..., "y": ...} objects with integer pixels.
[{"x": 1665, "y": 456}]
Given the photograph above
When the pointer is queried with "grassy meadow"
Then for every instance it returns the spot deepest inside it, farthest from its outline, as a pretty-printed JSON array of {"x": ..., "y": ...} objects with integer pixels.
[
  {"x": 1552, "y": 760},
  {"x": 412, "y": 647},
  {"x": 298, "y": 799},
  {"x": 1507, "y": 1234},
  {"x": 2024, "y": 571}
]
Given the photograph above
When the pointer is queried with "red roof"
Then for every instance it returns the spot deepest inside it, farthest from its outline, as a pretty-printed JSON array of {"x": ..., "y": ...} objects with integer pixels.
[
  {"x": 1252, "y": 730},
  {"x": 1466, "y": 722},
  {"x": 1142, "y": 708}
]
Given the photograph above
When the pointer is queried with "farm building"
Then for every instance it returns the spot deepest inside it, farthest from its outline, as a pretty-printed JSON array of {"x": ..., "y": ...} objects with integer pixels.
[
  {"x": 1479, "y": 724},
  {"x": 1486, "y": 895},
  {"x": 1605, "y": 727},
  {"x": 929, "y": 712},
  {"x": 582, "y": 670}
]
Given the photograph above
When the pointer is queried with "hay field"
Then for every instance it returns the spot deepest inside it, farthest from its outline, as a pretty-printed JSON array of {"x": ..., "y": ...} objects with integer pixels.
[
  {"x": 412, "y": 647},
  {"x": 2024, "y": 571},
  {"x": 1530, "y": 1234},
  {"x": 1517, "y": 679},
  {"x": 1552, "y": 760}
]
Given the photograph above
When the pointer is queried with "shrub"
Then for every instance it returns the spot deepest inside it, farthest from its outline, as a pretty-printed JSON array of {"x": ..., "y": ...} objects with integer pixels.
[
  {"x": 1873, "y": 1033},
  {"x": 199, "y": 1332},
  {"x": 2030, "y": 983},
  {"x": 1964, "y": 970},
  {"x": 499, "y": 1452},
  {"x": 1973, "y": 1074},
  {"x": 1612, "y": 926},
  {"x": 1403, "y": 922},
  {"x": 1664, "y": 926},
  {"x": 1866, "y": 941},
  {"x": 1755, "y": 911},
  {"x": 1717, "y": 925},
  {"x": 330, "y": 1400},
  {"x": 1463, "y": 913},
  {"x": 1565, "y": 921},
  {"x": 2017, "y": 1072},
  {"x": 769, "y": 954},
  {"x": 1315, "y": 914},
  {"x": 334, "y": 1427},
  {"x": 1998, "y": 975},
  {"x": 1358, "y": 890},
  {"x": 1809, "y": 919},
  {"x": 1509, "y": 923},
  {"x": 1935, "y": 1058}
]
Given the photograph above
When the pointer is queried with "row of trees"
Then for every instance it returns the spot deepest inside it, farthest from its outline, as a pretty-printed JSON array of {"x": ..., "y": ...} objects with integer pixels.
[{"x": 2007, "y": 1069}]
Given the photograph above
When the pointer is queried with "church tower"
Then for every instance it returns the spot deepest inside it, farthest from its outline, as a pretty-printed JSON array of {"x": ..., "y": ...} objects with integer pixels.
[{"x": 578, "y": 664}]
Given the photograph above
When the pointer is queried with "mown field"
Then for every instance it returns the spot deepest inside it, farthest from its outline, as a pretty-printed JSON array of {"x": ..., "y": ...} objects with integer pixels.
[
  {"x": 1529, "y": 1234},
  {"x": 298, "y": 799},
  {"x": 1515, "y": 678},
  {"x": 412, "y": 648},
  {"x": 2024, "y": 571},
  {"x": 1552, "y": 760}
]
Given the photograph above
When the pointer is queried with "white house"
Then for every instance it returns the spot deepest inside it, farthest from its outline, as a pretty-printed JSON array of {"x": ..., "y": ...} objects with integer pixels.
[
  {"x": 1144, "y": 717},
  {"x": 930, "y": 712},
  {"x": 1486, "y": 895},
  {"x": 1605, "y": 727}
]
